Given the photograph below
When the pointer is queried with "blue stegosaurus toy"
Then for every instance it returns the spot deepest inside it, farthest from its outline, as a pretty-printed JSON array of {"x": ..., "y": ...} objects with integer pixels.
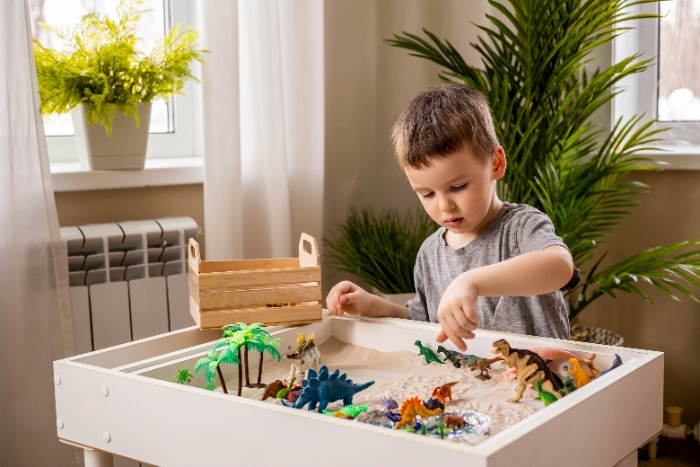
[{"x": 323, "y": 388}]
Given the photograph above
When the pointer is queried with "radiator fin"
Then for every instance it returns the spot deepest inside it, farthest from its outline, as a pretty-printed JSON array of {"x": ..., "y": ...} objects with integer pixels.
[{"x": 128, "y": 280}]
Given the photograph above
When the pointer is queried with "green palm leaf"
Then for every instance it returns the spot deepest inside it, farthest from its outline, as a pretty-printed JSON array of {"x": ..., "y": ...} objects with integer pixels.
[{"x": 381, "y": 248}]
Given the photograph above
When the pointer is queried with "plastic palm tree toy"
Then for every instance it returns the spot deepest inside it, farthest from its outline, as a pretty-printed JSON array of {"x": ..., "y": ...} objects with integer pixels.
[
  {"x": 538, "y": 75},
  {"x": 242, "y": 335},
  {"x": 183, "y": 376},
  {"x": 211, "y": 365}
]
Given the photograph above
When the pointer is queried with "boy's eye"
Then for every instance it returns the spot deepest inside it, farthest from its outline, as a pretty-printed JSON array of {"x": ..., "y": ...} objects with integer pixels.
[
  {"x": 459, "y": 187},
  {"x": 426, "y": 195}
]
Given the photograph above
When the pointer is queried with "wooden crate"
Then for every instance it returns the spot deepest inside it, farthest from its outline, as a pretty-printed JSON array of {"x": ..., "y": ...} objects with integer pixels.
[{"x": 269, "y": 291}]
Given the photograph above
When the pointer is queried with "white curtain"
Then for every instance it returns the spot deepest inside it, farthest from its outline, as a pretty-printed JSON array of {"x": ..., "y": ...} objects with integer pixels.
[
  {"x": 263, "y": 126},
  {"x": 35, "y": 320}
]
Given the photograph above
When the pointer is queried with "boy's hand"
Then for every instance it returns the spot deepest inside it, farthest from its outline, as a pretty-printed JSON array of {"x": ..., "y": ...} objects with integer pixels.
[
  {"x": 456, "y": 312},
  {"x": 348, "y": 297}
]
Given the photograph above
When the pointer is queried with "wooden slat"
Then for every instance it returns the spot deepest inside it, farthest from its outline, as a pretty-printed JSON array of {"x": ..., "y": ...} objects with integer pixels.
[
  {"x": 247, "y": 264},
  {"x": 260, "y": 297},
  {"x": 237, "y": 280},
  {"x": 267, "y": 316}
]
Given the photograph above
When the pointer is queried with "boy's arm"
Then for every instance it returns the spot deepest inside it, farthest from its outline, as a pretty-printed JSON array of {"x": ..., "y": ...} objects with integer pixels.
[
  {"x": 532, "y": 273},
  {"x": 348, "y": 297}
]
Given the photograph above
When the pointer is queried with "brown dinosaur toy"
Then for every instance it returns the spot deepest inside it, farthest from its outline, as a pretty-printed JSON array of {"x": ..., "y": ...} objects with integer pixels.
[
  {"x": 483, "y": 365},
  {"x": 531, "y": 367},
  {"x": 272, "y": 389}
]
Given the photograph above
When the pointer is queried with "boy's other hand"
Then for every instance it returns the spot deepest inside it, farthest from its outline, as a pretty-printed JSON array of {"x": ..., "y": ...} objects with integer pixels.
[
  {"x": 456, "y": 313},
  {"x": 347, "y": 297}
]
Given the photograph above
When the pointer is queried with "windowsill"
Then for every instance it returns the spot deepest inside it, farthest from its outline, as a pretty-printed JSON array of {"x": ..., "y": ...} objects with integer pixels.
[
  {"x": 70, "y": 176},
  {"x": 675, "y": 157}
]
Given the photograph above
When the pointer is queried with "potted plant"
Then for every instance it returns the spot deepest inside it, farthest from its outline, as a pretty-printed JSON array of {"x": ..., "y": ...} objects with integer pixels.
[
  {"x": 536, "y": 73},
  {"x": 381, "y": 248},
  {"x": 109, "y": 84}
]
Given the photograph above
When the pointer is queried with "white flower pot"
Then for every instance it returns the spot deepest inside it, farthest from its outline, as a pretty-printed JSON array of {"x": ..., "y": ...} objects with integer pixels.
[{"x": 125, "y": 149}]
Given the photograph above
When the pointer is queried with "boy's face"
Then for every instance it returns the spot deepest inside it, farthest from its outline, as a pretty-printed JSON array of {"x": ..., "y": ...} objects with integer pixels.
[{"x": 459, "y": 191}]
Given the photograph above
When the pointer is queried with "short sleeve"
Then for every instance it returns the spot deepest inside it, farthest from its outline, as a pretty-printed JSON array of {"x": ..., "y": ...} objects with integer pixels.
[
  {"x": 536, "y": 232},
  {"x": 417, "y": 306}
]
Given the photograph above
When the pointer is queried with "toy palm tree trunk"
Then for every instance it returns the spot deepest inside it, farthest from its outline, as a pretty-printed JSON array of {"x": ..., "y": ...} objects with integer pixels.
[
  {"x": 247, "y": 377},
  {"x": 260, "y": 369},
  {"x": 240, "y": 374},
  {"x": 221, "y": 378}
]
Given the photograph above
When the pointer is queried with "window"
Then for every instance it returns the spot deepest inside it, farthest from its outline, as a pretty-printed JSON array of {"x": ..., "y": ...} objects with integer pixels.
[
  {"x": 668, "y": 89},
  {"x": 172, "y": 126}
]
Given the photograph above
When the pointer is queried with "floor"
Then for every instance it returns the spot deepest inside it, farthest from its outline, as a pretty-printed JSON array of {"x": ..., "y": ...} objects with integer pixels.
[{"x": 672, "y": 453}]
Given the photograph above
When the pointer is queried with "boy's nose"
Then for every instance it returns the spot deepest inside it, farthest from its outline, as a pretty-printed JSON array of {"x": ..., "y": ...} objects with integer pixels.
[{"x": 445, "y": 204}]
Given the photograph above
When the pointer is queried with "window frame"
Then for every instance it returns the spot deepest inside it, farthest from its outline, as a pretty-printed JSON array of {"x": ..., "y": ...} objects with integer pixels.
[
  {"x": 185, "y": 140},
  {"x": 638, "y": 94}
]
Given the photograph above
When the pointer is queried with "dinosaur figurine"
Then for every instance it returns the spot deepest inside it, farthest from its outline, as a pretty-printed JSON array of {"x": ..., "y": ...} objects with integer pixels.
[
  {"x": 411, "y": 408},
  {"x": 323, "y": 388},
  {"x": 457, "y": 358},
  {"x": 594, "y": 371},
  {"x": 306, "y": 357},
  {"x": 453, "y": 422},
  {"x": 434, "y": 403},
  {"x": 349, "y": 411},
  {"x": 443, "y": 392},
  {"x": 531, "y": 367},
  {"x": 544, "y": 396},
  {"x": 483, "y": 365},
  {"x": 273, "y": 389},
  {"x": 617, "y": 362},
  {"x": 428, "y": 354},
  {"x": 569, "y": 385},
  {"x": 389, "y": 404},
  {"x": 581, "y": 378}
]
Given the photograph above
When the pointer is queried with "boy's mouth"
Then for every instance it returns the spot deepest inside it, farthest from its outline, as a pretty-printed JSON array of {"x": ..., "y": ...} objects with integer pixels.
[{"x": 453, "y": 222}]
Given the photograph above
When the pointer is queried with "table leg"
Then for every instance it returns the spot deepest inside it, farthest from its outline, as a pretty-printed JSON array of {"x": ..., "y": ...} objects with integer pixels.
[{"x": 97, "y": 458}]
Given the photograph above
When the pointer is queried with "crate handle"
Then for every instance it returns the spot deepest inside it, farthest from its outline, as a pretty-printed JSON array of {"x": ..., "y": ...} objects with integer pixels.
[
  {"x": 193, "y": 257},
  {"x": 308, "y": 252}
]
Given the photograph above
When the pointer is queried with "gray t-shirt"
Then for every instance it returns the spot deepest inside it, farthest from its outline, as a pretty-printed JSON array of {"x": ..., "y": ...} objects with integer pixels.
[{"x": 517, "y": 229}]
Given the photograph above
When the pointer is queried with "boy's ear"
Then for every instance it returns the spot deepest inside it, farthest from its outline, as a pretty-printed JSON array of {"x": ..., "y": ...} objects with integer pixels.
[{"x": 498, "y": 163}]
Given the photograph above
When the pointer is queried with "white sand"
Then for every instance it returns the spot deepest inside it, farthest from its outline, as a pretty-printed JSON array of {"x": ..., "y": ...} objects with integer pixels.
[{"x": 402, "y": 375}]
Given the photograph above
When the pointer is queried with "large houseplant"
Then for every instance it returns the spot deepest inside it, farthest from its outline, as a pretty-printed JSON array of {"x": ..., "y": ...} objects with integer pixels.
[
  {"x": 537, "y": 74},
  {"x": 380, "y": 248},
  {"x": 105, "y": 75}
]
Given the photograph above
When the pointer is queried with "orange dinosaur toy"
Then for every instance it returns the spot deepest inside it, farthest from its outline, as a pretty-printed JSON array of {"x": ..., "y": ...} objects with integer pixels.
[
  {"x": 581, "y": 378},
  {"x": 410, "y": 408},
  {"x": 443, "y": 392}
]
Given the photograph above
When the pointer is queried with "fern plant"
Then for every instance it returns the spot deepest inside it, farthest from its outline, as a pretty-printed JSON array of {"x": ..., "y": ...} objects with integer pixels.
[
  {"x": 381, "y": 248},
  {"x": 536, "y": 73},
  {"x": 103, "y": 68}
]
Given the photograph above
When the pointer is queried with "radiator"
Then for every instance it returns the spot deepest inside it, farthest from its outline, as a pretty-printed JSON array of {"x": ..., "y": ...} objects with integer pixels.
[{"x": 128, "y": 280}]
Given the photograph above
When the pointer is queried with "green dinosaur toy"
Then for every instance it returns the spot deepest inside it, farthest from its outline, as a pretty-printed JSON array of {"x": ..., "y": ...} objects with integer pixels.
[
  {"x": 569, "y": 385},
  {"x": 348, "y": 411},
  {"x": 544, "y": 396},
  {"x": 457, "y": 358},
  {"x": 428, "y": 354}
]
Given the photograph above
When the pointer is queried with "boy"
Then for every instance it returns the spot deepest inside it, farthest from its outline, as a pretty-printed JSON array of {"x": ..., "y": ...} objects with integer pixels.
[{"x": 491, "y": 264}]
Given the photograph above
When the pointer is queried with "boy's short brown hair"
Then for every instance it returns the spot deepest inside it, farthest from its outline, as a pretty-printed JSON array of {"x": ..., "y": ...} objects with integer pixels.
[{"x": 441, "y": 121}]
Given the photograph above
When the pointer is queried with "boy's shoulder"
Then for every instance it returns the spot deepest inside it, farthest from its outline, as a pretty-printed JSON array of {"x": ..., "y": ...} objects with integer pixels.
[{"x": 514, "y": 212}]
